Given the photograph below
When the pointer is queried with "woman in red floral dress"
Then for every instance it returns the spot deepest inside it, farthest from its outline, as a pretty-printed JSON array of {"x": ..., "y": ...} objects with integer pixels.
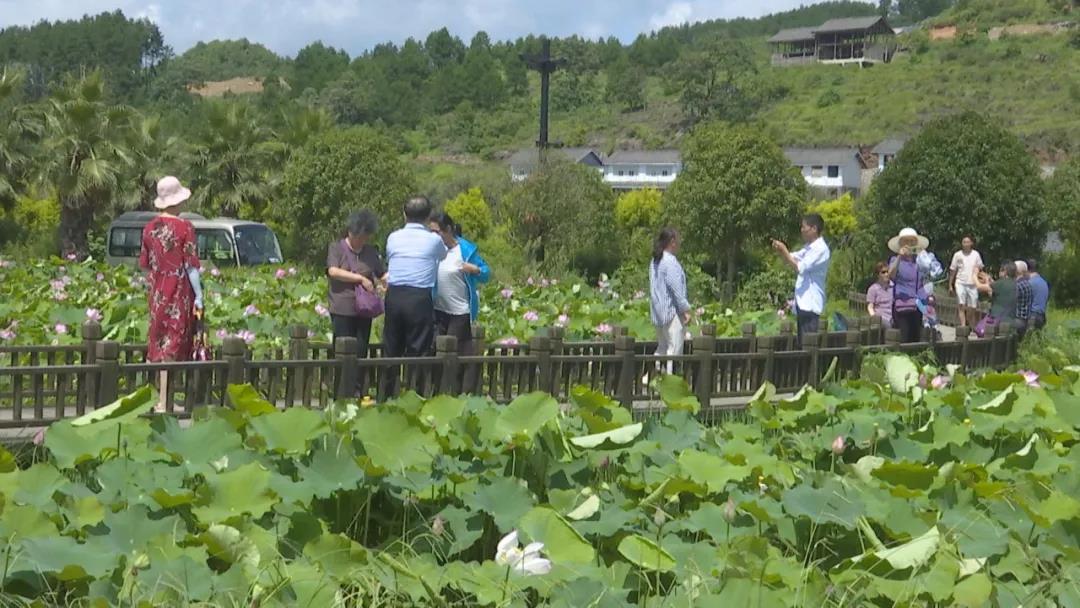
[{"x": 170, "y": 257}]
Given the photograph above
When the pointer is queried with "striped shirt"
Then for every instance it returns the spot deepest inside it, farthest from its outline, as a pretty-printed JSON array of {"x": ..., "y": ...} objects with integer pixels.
[
  {"x": 667, "y": 290},
  {"x": 1024, "y": 299}
]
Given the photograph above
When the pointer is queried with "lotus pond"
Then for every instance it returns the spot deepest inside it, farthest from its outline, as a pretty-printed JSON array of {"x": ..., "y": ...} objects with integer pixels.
[
  {"x": 45, "y": 302},
  {"x": 876, "y": 492}
]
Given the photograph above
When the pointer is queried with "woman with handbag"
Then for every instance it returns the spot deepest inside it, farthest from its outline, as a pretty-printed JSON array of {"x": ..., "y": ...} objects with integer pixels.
[
  {"x": 355, "y": 271},
  {"x": 911, "y": 270}
]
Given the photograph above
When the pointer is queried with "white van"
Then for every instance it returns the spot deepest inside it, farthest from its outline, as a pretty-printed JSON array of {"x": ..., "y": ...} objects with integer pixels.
[{"x": 221, "y": 241}]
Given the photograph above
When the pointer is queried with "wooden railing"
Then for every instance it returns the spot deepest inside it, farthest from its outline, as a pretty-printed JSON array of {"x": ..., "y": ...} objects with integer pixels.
[{"x": 42, "y": 384}]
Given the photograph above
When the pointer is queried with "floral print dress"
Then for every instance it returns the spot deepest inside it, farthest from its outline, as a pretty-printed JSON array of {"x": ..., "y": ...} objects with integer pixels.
[{"x": 168, "y": 250}]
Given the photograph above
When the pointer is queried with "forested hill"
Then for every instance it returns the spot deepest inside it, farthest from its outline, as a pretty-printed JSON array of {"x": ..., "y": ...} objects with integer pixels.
[{"x": 444, "y": 96}]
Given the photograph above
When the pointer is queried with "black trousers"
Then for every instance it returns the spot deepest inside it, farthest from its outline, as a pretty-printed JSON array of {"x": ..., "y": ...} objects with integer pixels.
[
  {"x": 354, "y": 327},
  {"x": 409, "y": 329},
  {"x": 1038, "y": 320},
  {"x": 909, "y": 322},
  {"x": 460, "y": 326},
  {"x": 806, "y": 323}
]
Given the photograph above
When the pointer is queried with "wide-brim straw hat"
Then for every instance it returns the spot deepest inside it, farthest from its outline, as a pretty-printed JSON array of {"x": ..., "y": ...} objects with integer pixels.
[
  {"x": 170, "y": 193},
  {"x": 921, "y": 241}
]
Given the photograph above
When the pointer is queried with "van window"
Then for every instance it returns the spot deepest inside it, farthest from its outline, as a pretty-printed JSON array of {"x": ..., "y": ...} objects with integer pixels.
[
  {"x": 125, "y": 242},
  {"x": 215, "y": 246},
  {"x": 256, "y": 244}
]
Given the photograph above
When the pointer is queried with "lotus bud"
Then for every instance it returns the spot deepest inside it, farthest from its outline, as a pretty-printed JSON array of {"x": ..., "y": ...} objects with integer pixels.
[
  {"x": 838, "y": 445},
  {"x": 438, "y": 525},
  {"x": 729, "y": 510},
  {"x": 659, "y": 517}
]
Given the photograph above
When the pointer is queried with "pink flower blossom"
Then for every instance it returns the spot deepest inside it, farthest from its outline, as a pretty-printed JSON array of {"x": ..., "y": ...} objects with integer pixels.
[
  {"x": 62, "y": 269},
  {"x": 247, "y": 336},
  {"x": 508, "y": 342},
  {"x": 6, "y": 264},
  {"x": 39, "y": 437},
  {"x": 251, "y": 311},
  {"x": 321, "y": 310},
  {"x": 544, "y": 283},
  {"x": 604, "y": 328},
  {"x": 838, "y": 445},
  {"x": 93, "y": 314},
  {"x": 923, "y": 382},
  {"x": 214, "y": 272},
  {"x": 562, "y": 321},
  {"x": 222, "y": 334},
  {"x": 531, "y": 316},
  {"x": 60, "y": 328},
  {"x": 781, "y": 313},
  {"x": 507, "y": 293},
  {"x": 59, "y": 296},
  {"x": 939, "y": 382},
  {"x": 57, "y": 285},
  {"x": 530, "y": 281},
  {"x": 1030, "y": 377},
  {"x": 66, "y": 280},
  {"x": 100, "y": 277},
  {"x": 280, "y": 274},
  {"x": 7, "y": 335},
  {"x": 72, "y": 257}
]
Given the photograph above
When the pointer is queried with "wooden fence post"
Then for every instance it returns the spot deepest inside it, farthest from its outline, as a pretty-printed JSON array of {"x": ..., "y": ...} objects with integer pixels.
[
  {"x": 108, "y": 360},
  {"x": 545, "y": 379},
  {"x": 624, "y": 389},
  {"x": 446, "y": 350},
  {"x": 91, "y": 335},
  {"x": 474, "y": 374},
  {"x": 764, "y": 348},
  {"x": 963, "y": 336},
  {"x": 851, "y": 340},
  {"x": 876, "y": 330},
  {"x": 299, "y": 349},
  {"x": 892, "y": 339},
  {"x": 348, "y": 366},
  {"x": 749, "y": 333},
  {"x": 704, "y": 350},
  {"x": 787, "y": 329},
  {"x": 812, "y": 345}
]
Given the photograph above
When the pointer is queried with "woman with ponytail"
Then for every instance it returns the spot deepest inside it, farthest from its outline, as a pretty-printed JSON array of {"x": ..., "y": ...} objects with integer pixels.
[{"x": 668, "y": 306}]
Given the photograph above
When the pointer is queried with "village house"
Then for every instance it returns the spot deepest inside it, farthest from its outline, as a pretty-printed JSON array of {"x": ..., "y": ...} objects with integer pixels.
[
  {"x": 860, "y": 40},
  {"x": 887, "y": 150},
  {"x": 635, "y": 169},
  {"x": 831, "y": 171},
  {"x": 524, "y": 162}
]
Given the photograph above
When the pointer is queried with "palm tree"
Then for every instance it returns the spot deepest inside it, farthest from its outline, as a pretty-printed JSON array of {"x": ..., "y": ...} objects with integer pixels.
[
  {"x": 230, "y": 160},
  {"x": 18, "y": 129},
  {"x": 155, "y": 154},
  {"x": 85, "y": 154}
]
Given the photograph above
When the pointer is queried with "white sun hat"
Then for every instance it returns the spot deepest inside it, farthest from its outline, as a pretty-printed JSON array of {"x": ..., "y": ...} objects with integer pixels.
[
  {"x": 921, "y": 241},
  {"x": 170, "y": 193}
]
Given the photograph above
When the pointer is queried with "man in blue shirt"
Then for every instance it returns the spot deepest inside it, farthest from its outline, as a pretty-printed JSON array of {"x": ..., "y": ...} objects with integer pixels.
[
  {"x": 413, "y": 254},
  {"x": 1040, "y": 292}
]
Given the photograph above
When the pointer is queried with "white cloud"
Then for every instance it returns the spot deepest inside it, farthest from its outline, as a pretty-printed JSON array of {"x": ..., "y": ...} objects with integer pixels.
[{"x": 677, "y": 13}]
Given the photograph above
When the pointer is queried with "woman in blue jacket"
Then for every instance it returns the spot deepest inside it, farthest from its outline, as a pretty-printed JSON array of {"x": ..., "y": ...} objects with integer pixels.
[{"x": 457, "y": 300}]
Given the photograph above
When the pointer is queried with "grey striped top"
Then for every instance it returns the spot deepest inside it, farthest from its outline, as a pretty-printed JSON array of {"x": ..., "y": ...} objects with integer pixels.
[{"x": 667, "y": 290}]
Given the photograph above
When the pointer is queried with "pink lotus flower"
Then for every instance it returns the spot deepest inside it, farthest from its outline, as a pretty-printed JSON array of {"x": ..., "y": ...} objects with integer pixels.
[
  {"x": 562, "y": 321},
  {"x": 781, "y": 313},
  {"x": 729, "y": 510},
  {"x": 214, "y": 272},
  {"x": 7, "y": 335},
  {"x": 922, "y": 381},
  {"x": 59, "y": 296},
  {"x": 838, "y": 445},
  {"x": 531, "y": 316},
  {"x": 604, "y": 328},
  {"x": 544, "y": 283},
  {"x": 321, "y": 310},
  {"x": 507, "y": 293},
  {"x": 57, "y": 285},
  {"x": 39, "y": 437},
  {"x": 60, "y": 328},
  {"x": 280, "y": 274},
  {"x": 6, "y": 264},
  {"x": 939, "y": 382},
  {"x": 66, "y": 280},
  {"x": 222, "y": 334},
  {"x": 72, "y": 257},
  {"x": 100, "y": 277},
  {"x": 508, "y": 342},
  {"x": 247, "y": 336},
  {"x": 251, "y": 311},
  {"x": 1030, "y": 377},
  {"x": 93, "y": 314},
  {"x": 530, "y": 281}
]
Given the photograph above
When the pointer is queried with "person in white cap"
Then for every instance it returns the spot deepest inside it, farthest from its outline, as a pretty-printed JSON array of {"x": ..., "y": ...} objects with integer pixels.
[
  {"x": 170, "y": 257},
  {"x": 911, "y": 270}
]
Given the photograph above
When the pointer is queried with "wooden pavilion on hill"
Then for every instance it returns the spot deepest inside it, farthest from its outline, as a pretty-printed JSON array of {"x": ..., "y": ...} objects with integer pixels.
[{"x": 861, "y": 40}]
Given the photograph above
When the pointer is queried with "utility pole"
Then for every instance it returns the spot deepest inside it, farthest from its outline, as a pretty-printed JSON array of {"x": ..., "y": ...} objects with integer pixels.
[{"x": 546, "y": 65}]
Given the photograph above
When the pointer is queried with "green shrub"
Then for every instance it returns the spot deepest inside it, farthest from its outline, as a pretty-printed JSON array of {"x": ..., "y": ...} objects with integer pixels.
[{"x": 471, "y": 212}]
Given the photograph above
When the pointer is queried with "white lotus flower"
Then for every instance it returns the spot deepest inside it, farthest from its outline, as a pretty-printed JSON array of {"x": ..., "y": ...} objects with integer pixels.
[{"x": 527, "y": 560}]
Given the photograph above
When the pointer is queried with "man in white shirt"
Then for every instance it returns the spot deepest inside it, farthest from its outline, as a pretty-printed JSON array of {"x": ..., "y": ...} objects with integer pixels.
[
  {"x": 812, "y": 265},
  {"x": 963, "y": 274}
]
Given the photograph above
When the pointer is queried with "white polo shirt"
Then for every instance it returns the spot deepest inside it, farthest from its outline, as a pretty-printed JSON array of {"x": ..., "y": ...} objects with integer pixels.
[{"x": 813, "y": 263}]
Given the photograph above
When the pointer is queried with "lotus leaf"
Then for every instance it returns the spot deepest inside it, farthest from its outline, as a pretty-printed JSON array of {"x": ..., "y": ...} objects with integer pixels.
[
  {"x": 332, "y": 468},
  {"x": 972, "y": 591},
  {"x": 620, "y": 436},
  {"x": 676, "y": 394},
  {"x": 289, "y": 431},
  {"x": 245, "y": 399},
  {"x": 562, "y": 542},
  {"x": 645, "y": 553},
  {"x": 902, "y": 373},
  {"x": 123, "y": 410},
  {"x": 526, "y": 415},
  {"x": 393, "y": 443},
  {"x": 233, "y": 493},
  {"x": 505, "y": 499},
  {"x": 710, "y": 471},
  {"x": 439, "y": 412}
]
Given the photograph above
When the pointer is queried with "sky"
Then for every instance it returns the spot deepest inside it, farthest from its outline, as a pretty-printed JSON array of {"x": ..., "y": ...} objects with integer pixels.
[{"x": 286, "y": 26}]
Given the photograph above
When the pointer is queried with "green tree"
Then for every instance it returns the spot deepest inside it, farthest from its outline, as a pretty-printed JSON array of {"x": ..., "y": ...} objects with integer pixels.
[
  {"x": 471, "y": 211},
  {"x": 336, "y": 173},
  {"x": 719, "y": 81},
  {"x": 317, "y": 65},
  {"x": 961, "y": 175},
  {"x": 560, "y": 210},
  {"x": 231, "y": 161},
  {"x": 737, "y": 188},
  {"x": 638, "y": 214},
  {"x": 840, "y": 218},
  {"x": 84, "y": 156},
  {"x": 626, "y": 84},
  {"x": 482, "y": 78},
  {"x": 1063, "y": 200},
  {"x": 18, "y": 130},
  {"x": 444, "y": 49}
]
